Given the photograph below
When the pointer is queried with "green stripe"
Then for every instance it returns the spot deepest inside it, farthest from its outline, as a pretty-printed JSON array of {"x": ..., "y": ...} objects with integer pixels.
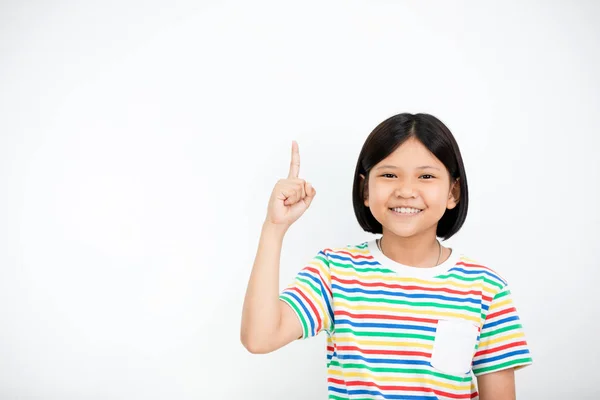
[
  {"x": 467, "y": 279},
  {"x": 300, "y": 314},
  {"x": 406, "y": 371},
  {"x": 505, "y": 329},
  {"x": 358, "y": 269},
  {"x": 351, "y": 266},
  {"x": 500, "y": 295},
  {"x": 512, "y": 363},
  {"x": 386, "y": 334},
  {"x": 309, "y": 283},
  {"x": 322, "y": 259},
  {"x": 408, "y": 303},
  {"x": 332, "y": 396}
]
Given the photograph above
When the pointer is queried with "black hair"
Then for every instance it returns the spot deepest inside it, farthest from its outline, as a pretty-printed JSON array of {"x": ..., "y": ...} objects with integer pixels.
[{"x": 385, "y": 139}]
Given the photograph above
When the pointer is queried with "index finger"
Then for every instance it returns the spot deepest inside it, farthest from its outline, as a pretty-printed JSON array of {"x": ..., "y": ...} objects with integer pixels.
[{"x": 295, "y": 163}]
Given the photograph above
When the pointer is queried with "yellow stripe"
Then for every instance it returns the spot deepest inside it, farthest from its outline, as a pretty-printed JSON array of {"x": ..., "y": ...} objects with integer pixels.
[
  {"x": 353, "y": 251},
  {"x": 317, "y": 302},
  {"x": 324, "y": 273},
  {"x": 410, "y": 311},
  {"x": 500, "y": 304},
  {"x": 370, "y": 377},
  {"x": 323, "y": 270},
  {"x": 365, "y": 251},
  {"x": 364, "y": 343},
  {"x": 506, "y": 338},
  {"x": 475, "y": 285},
  {"x": 490, "y": 289}
]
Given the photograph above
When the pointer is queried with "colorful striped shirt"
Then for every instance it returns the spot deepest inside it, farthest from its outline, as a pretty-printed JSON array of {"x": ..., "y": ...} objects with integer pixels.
[{"x": 400, "y": 332}]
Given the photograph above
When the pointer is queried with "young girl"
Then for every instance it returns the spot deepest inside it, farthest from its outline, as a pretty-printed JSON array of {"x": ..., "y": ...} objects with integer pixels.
[{"x": 405, "y": 317}]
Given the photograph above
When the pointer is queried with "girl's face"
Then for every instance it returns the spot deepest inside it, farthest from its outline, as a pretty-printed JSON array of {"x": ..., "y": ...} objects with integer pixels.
[{"x": 410, "y": 190}]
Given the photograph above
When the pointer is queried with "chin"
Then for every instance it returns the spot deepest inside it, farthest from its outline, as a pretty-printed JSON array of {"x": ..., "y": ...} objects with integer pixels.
[{"x": 405, "y": 233}]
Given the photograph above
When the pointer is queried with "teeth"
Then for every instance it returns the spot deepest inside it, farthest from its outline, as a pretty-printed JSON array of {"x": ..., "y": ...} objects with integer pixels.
[{"x": 404, "y": 210}]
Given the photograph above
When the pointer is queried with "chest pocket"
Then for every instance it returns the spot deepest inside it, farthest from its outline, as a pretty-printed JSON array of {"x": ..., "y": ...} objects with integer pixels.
[{"x": 454, "y": 346}]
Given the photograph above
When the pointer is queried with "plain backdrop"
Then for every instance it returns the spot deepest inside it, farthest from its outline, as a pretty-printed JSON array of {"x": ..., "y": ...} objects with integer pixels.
[{"x": 140, "y": 142}]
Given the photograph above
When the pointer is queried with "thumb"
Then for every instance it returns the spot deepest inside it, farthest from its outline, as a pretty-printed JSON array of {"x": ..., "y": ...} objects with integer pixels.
[{"x": 310, "y": 193}]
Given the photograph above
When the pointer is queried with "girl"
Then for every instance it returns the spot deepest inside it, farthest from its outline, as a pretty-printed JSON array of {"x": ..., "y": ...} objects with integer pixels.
[{"x": 405, "y": 317}]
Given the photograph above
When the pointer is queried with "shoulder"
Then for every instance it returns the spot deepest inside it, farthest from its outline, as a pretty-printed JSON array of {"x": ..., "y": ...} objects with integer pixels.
[
  {"x": 354, "y": 253},
  {"x": 474, "y": 268}
]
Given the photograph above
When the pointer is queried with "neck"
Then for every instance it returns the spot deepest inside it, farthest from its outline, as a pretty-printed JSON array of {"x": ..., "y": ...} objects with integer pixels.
[{"x": 420, "y": 251}]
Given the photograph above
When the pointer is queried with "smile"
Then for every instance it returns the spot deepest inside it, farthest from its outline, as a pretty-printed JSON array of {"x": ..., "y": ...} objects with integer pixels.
[{"x": 406, "y": 211}]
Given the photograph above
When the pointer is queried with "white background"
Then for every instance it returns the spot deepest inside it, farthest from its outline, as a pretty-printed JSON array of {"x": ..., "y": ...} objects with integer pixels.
[{"x": 139, "y": 143}]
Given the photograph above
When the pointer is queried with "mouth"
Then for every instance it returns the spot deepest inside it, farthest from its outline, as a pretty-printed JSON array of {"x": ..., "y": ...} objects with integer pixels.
[{"x": 406, "y": 210}]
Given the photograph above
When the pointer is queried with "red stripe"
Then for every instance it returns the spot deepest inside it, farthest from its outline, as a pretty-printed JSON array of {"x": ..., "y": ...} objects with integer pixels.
[
  {"x": 499, "y": 313},
  {"x": 336, "y": 381},
  {"x": 352, "y": 255},
  {"x": 466, "y": 264},
  {"x": 400, "y": 388},
  {"x": 318, "y": 274},
  {"x": 388, "y": 317},
  {"x": 500, "y": 348},
  {"x": 409, "y": 287},
  {"x": 385, "y": 352},
  {"x": 312, "y": 306}
]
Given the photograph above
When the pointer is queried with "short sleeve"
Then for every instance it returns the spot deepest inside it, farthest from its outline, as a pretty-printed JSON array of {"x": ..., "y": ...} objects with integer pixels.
[
  {"x": 502, "y": 343},
  {"x": 309, "y": 295}
]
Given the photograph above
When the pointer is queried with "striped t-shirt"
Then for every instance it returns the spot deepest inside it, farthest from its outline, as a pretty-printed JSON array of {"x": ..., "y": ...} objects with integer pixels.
[{"x": 399, "y": 332}]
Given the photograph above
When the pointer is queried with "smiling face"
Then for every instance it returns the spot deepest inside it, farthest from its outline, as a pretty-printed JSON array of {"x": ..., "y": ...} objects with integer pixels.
[{"x": 410, "y": 190}]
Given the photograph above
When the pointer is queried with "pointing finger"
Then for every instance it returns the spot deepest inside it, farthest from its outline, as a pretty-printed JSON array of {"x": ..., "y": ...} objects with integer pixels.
[{"x": 295, "y": 163}]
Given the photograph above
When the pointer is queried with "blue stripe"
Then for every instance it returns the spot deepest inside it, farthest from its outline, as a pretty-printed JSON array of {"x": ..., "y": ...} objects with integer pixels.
[
  {"x": 380, "y": 395},
  {"x": 338, "y": 390},
  {"x": 500, "y": 322},
  {"x": 381, "y": 360},
  {"x": 353, "y": 261},
  {"x": 383, "y": 325},
  {"x": 501, "y": 357},
  {"x": 324, "y": 294},
  {"x": 477, "y": 271},
  {"x": 330, "y": 355},
  {"x": 308, "y": 314},
  {"x": 328, "y": 304},
  {"x": 309, "y": 276},
  {"x": 407, "y": 295}
]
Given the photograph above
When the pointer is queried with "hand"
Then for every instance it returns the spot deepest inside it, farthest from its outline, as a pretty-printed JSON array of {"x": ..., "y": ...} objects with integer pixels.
[{"x": 291, "y": 197}]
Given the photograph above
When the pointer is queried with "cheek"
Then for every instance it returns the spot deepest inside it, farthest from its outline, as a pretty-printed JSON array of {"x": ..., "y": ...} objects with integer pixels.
[
  {"x": 380, "y": 193},
  {"x": 436, "y": 196}
]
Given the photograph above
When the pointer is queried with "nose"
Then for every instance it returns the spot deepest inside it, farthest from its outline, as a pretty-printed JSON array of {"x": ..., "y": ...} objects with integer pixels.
[{"x": 405, "y": 191}]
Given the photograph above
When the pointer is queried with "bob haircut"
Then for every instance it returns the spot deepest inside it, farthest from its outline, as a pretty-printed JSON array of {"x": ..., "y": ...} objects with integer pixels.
[{"x": 385, "y": 139}]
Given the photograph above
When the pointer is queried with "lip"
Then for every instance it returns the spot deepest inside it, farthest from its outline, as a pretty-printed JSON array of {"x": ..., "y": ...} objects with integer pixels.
[{"x": 405, "y": 215}]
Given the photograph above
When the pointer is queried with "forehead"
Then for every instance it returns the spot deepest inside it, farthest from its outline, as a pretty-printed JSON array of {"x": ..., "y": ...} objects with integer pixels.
[{"x": 411, "y": 154}]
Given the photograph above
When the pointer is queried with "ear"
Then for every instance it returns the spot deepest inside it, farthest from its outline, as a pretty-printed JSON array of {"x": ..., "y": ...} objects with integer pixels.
[
  {"x": 365, "y": 190},
  {"x": 454, "y": 194}
]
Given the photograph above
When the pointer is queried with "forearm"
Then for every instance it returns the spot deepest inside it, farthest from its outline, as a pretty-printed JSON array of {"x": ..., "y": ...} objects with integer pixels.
[
  {"x": 497, "y": 385},
  {"x": 262, "y": 309}
]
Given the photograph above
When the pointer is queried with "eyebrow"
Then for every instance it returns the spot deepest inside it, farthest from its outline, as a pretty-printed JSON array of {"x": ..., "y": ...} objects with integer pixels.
[{"x": 394, "y": 167}]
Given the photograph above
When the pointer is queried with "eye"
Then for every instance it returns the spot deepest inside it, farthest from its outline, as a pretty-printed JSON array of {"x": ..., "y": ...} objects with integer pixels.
[
  {"x": 427, "y": 176},
  {"x": 388, "y": 175}
]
